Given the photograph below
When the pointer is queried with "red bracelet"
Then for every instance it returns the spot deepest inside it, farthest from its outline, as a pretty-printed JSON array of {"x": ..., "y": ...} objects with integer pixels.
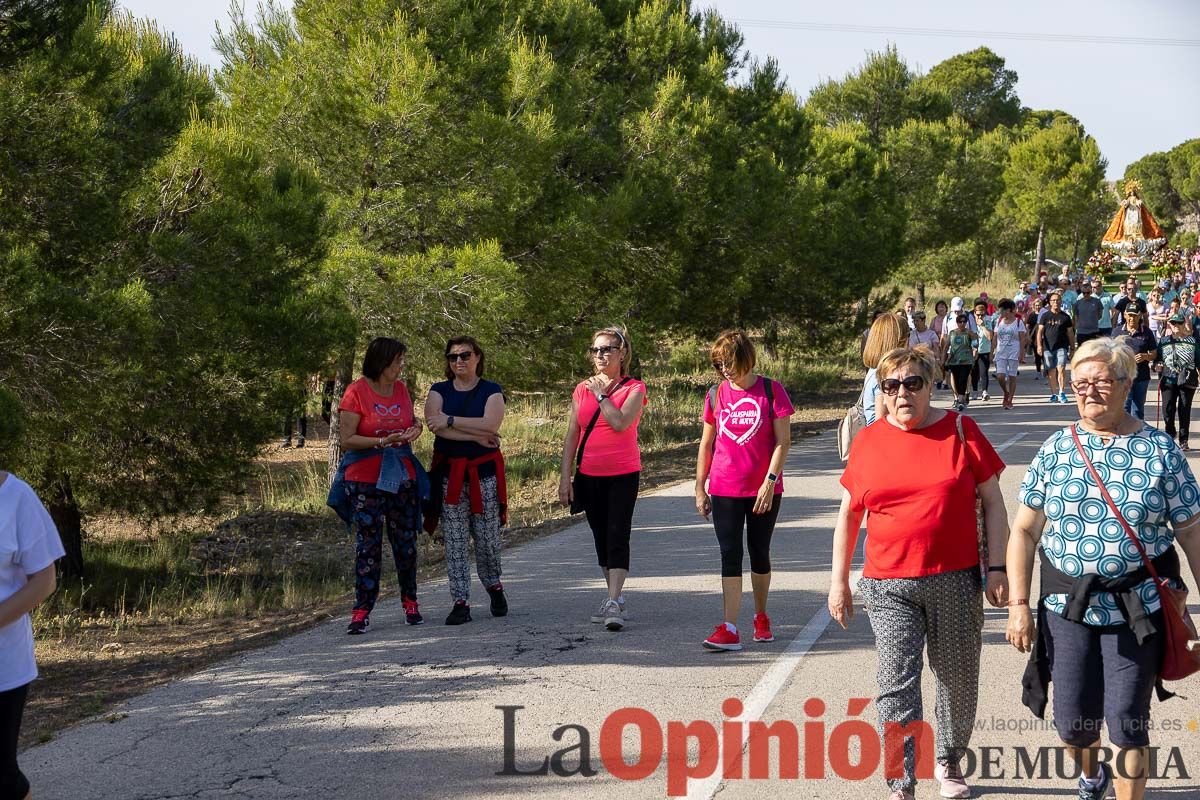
[{"x": 1012, "y": 603}]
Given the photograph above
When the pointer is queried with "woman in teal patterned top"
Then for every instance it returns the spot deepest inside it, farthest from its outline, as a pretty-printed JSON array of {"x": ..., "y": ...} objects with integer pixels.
[{"x": 1099, "y": 625}]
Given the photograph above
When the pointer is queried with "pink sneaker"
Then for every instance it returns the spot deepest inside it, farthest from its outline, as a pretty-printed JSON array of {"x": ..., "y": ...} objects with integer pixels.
[
  {"x": 723, "y": 639},
  {"x": 900, "y": 794},
  {"x": 951, "y": 779},
  {"x": 762, "y": 628}
]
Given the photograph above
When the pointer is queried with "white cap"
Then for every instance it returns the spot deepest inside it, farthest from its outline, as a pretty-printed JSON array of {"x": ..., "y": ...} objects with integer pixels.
[{"x": 956, "y": 304}]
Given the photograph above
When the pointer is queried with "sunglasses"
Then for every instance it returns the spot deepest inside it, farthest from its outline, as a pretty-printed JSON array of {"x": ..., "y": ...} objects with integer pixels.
[
  {"x": 604, "y": 350},
  {"x": 459, "y": 356},
  {"x": 914, "y": 383}
]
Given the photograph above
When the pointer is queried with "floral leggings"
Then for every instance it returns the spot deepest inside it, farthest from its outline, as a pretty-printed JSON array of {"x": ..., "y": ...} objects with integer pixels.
[
  {"x": 374, "y": 510},
  {"x": 458, "y": 526}
]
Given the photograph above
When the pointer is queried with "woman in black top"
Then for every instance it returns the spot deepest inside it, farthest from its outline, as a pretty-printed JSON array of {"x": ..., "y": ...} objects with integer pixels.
[
  {"x": 1145, "y": 347},
  {"x": 1178, "y": 354},
  {"x": 467, "y": 474}
]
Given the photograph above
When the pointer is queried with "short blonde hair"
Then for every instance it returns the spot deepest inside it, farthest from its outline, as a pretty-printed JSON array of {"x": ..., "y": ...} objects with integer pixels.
[
  {"x": 735, "y": 351},
  {"x": 1113, "y": 353},
  {"x": 921, "y": 359},
  {"x": 887, "y": 333},
  {"x": 621, "y": 334}
]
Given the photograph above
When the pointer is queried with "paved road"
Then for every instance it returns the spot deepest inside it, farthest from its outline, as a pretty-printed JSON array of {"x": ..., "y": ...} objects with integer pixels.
[{"x": 412, "y": 712}]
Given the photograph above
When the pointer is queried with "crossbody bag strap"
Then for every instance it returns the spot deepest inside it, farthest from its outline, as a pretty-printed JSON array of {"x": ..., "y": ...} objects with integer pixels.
[
  {"x": 1113, "y": 506},
  {"x": 591, "y": 426}
]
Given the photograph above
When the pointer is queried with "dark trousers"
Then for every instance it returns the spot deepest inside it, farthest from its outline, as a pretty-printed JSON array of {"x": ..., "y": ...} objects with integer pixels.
[
  {"x": 960, "y": 377},
  {"x": 732, "y": 515},
  {"x": 979, "y": 373},
  {"x": 608, "y": 502},
  {"x": 1080, "y": 338},
  {"x": 1178, "y": 398},
  {"x": 302, "y": 427},
  {"x": 13, "y": 784},
  {"x": 375, "y": 511}
]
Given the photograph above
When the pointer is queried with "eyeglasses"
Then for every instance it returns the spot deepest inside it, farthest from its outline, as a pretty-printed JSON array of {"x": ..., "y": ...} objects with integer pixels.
[
  {"x": 914, "y": 383},
  {"x": 1103, "y": 386},
  {"x": 604, "y": 351},
  {"x": 460, "y": 356}
]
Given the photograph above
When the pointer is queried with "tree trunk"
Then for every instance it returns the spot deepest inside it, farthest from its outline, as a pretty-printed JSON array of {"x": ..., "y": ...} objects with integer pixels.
[
  {"x": 771, "y": 339},
  {"x": 65, "y": 513},
  {"x": 921, "y": 294},
  {"x": 1075, "y": 252},
  {"x": 344, "y": 372},
  {"x": 1040, "y": 260}
]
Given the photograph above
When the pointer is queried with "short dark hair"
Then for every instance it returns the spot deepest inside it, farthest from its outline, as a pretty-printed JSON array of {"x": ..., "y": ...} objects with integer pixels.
[
  {"x": 980, "y": 301},
  {"x": 1007, "y": 305},
  {"x": 381, "y": 352},
  {"x": 475, "y": 348}
]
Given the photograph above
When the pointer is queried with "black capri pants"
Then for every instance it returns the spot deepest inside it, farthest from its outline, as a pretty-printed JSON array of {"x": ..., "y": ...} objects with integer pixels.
[
  {"x": 1101, "y": 673},
  {"x": 608, "y": 502},
  {"x": 13, "y": 784},
  {"x": 732, "y": 515}
]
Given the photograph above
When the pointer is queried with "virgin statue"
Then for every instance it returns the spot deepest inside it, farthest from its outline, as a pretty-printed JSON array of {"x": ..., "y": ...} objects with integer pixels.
[{"x": 1133, "y": 228}]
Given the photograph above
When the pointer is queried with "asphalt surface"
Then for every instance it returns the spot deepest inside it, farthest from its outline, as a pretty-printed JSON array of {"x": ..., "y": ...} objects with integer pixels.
[{"x": 414, "y": 712}]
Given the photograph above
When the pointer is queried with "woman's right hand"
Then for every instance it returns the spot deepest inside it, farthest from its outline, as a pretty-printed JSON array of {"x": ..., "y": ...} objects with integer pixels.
[
  {"x": 1020, "y": 632},
  {"x": 703, "y": 503},
  {"x": 566, "y": 492},
  {"x": 841, "y": 602}
]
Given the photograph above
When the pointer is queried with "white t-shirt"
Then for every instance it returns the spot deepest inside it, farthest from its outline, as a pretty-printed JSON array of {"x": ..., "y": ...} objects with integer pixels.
[
  {"x": 927, "y": 337},
  {"x": 28, "y": 543},
  {"x": 1008, "y": 338}
]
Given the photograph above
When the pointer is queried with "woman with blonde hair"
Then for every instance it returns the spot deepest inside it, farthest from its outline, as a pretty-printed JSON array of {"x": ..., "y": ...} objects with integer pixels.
[
  {"x": 602, "y": 446},
  {"x": 888, "y": 332},
  {"x": 739, "y": 478}
]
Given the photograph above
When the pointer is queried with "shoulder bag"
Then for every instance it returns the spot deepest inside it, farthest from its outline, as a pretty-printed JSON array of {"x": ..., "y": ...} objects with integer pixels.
[
  {"x": 577, "y": 499},
  {"x": 1181, "y": 656}
]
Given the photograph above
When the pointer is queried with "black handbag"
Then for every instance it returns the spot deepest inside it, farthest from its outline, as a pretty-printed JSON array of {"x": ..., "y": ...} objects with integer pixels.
[{"x": 577, "y": 486}]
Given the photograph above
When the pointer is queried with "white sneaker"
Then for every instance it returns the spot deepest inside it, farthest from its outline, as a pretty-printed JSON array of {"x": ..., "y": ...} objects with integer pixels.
[
  {"x": 612, "y": 615},
  {"x": 987, "y": 396},
  {"x": 602, "y": 612}
]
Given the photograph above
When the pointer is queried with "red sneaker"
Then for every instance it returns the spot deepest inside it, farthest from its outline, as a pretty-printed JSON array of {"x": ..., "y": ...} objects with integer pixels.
[
  {"x": 723, "y": 639},
  {"x": 359, "y": 620},
  {"x": 762, "y": 628}
]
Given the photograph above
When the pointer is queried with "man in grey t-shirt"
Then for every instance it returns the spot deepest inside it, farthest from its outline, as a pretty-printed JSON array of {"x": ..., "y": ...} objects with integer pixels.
[{"x": 1087, "y": 311}]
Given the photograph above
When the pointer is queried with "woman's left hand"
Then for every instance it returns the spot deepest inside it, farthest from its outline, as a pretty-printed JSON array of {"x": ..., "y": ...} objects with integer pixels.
[
  {"x": 411, "y": 434},
  {"x": 997, "y": 589},
  {"x": 766, "y": 495},
  {"x": 437, "y": 421}
]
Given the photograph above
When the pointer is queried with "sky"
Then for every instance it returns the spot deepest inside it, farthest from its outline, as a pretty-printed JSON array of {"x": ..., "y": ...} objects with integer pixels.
[{"x": 1107, "y": 62}]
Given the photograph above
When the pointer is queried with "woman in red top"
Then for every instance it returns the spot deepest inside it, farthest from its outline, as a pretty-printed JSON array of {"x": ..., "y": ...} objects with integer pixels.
[
  {"x": 917, "y": 472},
  {"x": 376, "y": 413},
  {"x": 610, "y": 464}
]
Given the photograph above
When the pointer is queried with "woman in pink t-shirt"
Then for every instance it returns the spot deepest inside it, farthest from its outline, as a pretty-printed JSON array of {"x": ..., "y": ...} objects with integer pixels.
[
  {"x": 747, "y": 433},
  {"x": 610, "y": 464}
]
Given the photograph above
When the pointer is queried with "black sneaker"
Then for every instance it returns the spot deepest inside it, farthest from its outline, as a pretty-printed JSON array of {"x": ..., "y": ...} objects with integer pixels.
[
  {"x": 499, "y": 602},
  {"x": 359, "y": 622},
  {"x": 1087, "y": 792},
  {"x": 461, "y": 613}
]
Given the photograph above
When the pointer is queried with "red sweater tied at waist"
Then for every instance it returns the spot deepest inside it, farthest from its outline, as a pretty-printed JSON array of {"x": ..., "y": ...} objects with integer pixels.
[{"x": 460, "y": 471}]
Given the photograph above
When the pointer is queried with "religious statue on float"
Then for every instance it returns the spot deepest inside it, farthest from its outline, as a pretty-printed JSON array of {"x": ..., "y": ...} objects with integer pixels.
[{"x": 1133, "y": 229}]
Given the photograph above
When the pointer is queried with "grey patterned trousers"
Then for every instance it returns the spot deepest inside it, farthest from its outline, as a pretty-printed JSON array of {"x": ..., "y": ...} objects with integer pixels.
[
  {"x": 942, "y": 614},
  {"x": 459, "y": 525}
]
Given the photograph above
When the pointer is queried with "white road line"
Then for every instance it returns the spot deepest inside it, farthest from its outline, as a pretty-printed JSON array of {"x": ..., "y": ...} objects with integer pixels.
[{"x": 769, "y": 685}]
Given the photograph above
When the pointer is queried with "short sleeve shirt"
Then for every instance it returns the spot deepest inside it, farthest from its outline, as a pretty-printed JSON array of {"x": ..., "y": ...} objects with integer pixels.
[
  {"x": 1149, "y": 480},
  {"x": 1088, "y": 311},
  {"x": 378, "y": 416},
  {"x": 28, "y": 544},
  {"x": 745, "y": 436},
  {"x": 1106, "y": 300},
  {"x": 1054, "y": 330},
  {"x": 1008, "y": 338},
  {"x": 985, "y": 344},
  {"x": 921, "y": 517},
  {"x": 609, "y": 452}
]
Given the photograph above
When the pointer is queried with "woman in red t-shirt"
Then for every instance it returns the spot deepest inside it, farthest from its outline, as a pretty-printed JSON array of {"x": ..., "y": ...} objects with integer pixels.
[
  {"x": 917, "y": 472},
  {"x": 376, "y": 413},
  {"x": 611, "y": 463}
]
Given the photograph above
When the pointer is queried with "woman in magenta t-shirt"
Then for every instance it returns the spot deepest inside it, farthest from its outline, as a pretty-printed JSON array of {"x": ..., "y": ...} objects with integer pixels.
[
  {"x": 747, "y": 433},
  {"x": 376, "y": 413},
  {"x": 607, "y": 478}
]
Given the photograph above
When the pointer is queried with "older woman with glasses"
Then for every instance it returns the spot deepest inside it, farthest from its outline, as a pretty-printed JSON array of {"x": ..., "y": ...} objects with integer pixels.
[
  {"x": 1098, "y": 635},
  {"x": 921, "y": 580},
  {"x": 467, "y": 475},
  {"x": 602, "y": 446}
]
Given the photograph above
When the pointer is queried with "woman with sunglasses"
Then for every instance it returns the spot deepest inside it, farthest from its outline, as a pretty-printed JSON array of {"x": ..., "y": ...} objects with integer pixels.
[
  {"x": 1179, "y": 355},
  {"x": 467, "y": 475},
  {"x": 606, "y": 409},
  {"x": 739, "y": 478},
  {"x": 921, "y": 578},
  {"x": 960, "y": 348}
]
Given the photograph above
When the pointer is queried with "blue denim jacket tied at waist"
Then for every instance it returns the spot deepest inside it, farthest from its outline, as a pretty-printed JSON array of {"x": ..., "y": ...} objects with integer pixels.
[{"x": 393, "y": 471}]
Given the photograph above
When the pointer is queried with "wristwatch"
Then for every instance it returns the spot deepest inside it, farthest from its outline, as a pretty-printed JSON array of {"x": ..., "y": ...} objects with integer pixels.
[{"x": 449, "y": 422}]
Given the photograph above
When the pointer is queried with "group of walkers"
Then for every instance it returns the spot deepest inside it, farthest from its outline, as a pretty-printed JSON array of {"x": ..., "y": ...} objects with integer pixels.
[{"x": 931, "y": 554}]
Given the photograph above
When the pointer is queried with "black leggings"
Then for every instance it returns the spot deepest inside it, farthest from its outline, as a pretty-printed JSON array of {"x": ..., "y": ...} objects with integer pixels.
[
  {"x": 608, "y": 502},
  {"x": 13, "y": 784},
  {"x": 979, "y": 374},
  {"x": 1178, "y": 397},
  {"x": 732, "y": 515},
  {"x": 960, "y": 376}
]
